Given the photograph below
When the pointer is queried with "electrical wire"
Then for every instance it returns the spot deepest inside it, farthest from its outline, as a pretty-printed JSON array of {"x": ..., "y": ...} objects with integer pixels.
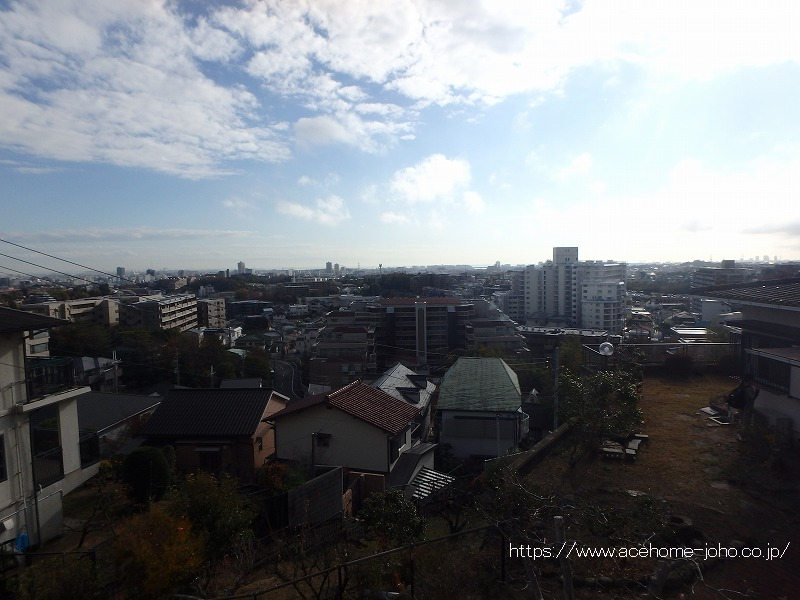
[
  {"x": 47, "y": 268},
  {"x": 63, "y": 260}
]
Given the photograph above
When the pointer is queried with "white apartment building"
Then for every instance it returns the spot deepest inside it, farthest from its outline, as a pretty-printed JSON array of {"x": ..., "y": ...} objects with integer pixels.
[
  {"x": 167, "y": 312},
  {"x": 573, "y": 293}
]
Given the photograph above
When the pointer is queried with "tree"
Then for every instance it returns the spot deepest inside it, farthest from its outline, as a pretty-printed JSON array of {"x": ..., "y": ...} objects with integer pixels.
[
  {"x": 80, "y": 340},
  {"x": 601, "y": 406},
  {"x": 147, "y": 474},
  {"x": 392, "y": 518},
  {"x": 156, "y": 552},
  {"x": 215, "y": 508}
]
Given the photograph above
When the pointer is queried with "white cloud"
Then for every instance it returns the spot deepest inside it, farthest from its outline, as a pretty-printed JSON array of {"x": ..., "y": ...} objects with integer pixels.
[
  {"x": 159, "y": 86},
  {"x": 473, "y": 202},
  {"x": 349, "y": 129},
  {"x": 238, "y": 206},
  {"x": 701, "y": 211},
  {"x": 437, "y": 178},
  {"x": 125, "y": 234},
  {"x": 393, "y": 217},
  {"x": 325, "y": 211},
  {"x": 120, "y": 84},
  {"x": 436, "y": 181},
  {"x": 578, "y": 167}
]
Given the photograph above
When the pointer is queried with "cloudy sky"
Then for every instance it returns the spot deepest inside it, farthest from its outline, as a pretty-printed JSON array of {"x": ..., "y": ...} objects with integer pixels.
[{"x": 143, "y": 133}]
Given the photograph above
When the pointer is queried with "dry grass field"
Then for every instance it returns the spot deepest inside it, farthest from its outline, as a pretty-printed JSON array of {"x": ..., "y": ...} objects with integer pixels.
[{"x": 729, "y": 489}]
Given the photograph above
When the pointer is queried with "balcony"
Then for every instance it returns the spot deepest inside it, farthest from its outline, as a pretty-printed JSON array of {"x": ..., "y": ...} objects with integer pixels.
[{"x": 45, "y": 376}]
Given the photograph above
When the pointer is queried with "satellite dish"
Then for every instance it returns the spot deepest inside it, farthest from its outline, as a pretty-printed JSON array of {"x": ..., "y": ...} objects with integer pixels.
[{"x": 606, "y": 349}]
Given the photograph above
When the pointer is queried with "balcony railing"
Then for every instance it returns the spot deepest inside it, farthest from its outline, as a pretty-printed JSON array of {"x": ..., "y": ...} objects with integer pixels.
[{"x": 47, "y": 376}]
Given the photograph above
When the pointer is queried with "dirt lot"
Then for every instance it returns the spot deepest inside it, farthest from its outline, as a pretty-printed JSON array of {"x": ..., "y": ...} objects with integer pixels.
[{"x": 729, "y": 489}]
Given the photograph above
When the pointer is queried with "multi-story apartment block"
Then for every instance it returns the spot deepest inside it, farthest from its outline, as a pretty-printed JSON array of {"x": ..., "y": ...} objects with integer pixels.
[
  {"x": 211, "y": 312},
  {"x": 420, "y": 331},
  {"x": 99, "y": 310},
  {"x": 343, "y": 352},
  {"x": 726, "y": 274},
  {"x": 559, "y": 291},
  {"x": 512, "y": 302},
  {"x": 167, "y": 312}
]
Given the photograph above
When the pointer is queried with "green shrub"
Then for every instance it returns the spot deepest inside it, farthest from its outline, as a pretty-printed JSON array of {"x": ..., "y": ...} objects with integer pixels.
[{"x": 147, "y": 474}]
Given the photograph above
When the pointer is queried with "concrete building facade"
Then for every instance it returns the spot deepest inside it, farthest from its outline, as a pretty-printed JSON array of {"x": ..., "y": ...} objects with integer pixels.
[{"x": 560, "y": 291}]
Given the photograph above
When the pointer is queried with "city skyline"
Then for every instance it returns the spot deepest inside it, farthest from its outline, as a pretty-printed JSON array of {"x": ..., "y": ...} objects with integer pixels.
[{"x": 284, "y": 135}]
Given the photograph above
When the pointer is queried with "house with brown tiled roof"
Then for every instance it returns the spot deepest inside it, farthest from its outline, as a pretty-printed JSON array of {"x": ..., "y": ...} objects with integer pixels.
[{"x": 357, "y": 427}]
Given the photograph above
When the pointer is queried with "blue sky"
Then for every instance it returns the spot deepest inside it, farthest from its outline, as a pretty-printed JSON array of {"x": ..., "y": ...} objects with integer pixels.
[{"x": 289, "y": 133}]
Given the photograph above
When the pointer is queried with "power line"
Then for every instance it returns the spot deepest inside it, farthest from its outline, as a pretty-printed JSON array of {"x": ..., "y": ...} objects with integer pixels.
[
  {"x": 48, "y": 268},
  {"x": 64, "y": 260},
  {"x": 20, "y": 272}
]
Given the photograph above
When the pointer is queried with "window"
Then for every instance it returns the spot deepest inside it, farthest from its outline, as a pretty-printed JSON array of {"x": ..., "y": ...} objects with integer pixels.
[
  {"x": 323, "y": 439},
  {"x": 3, "y": 471},
  {"x": 48, "y": 466}
]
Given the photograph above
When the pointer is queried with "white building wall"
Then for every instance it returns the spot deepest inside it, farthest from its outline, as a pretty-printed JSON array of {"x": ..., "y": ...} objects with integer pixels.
[{"x": 353, "y": 443}]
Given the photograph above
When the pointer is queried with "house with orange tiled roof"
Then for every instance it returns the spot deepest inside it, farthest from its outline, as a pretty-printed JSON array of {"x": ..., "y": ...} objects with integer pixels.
[{"x": 358, "y": 427}]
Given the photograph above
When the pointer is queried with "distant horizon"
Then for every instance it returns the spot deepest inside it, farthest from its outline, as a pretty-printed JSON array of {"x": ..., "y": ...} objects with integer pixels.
[{"x": 349, "y": 271}]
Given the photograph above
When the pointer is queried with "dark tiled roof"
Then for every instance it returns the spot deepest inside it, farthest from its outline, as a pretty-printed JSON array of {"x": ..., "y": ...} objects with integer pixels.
[
  {"x": 208, "y": 413},
  {"x": 21, "y": 320},
  {"x": 98, "y": 411},
  {"x": 246, "y": 383},
  {"x": 363, "y": 402},
  {"x": 784, "y": 292}
]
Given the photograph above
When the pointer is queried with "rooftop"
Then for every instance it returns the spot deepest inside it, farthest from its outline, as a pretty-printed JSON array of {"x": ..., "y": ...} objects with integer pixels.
[
  {"x": 433, "y": 301},
  {"x": 12, "y": 320},
  {"x": 779, "y": 292},
  {"x": 208, "y": 412},
  {"x": 480, "y": 384},
  {"x": 98, "y": 411},
  {"x": 369, "y": 404}
]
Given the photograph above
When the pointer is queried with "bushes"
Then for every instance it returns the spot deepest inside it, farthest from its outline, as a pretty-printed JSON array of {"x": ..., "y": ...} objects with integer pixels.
[
  {"x": 392, "y": 518},
  {"x": 215, "y": 508},
  {"x": 68, "y": 576},
  {"x": 156, "y": 552},
  {"x": 147, "y": 473}
]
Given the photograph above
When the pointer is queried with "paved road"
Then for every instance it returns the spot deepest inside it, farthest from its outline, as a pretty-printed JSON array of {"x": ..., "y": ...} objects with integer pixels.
[{"x": 284, "y": 373}]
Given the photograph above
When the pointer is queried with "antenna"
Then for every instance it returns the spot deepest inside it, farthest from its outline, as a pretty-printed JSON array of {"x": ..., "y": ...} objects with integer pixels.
[{"x": 606, "y": 349}]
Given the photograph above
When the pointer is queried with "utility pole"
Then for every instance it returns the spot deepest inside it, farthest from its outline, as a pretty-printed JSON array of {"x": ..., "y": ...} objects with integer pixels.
[
  {"x": 212, "y": 376},
  {"x": 115, "y": 362},
  {"x": 177, "y": 367},
  {"x": 555, "y": 388}
]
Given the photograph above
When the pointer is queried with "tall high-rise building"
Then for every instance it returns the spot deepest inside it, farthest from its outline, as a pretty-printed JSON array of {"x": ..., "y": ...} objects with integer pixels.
[
  {"x": 329, "y": 267},
  {"x": 120, "y": 273},
  {"x": 573, "y": 293},
  {"x": 240, "y": 267}
]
